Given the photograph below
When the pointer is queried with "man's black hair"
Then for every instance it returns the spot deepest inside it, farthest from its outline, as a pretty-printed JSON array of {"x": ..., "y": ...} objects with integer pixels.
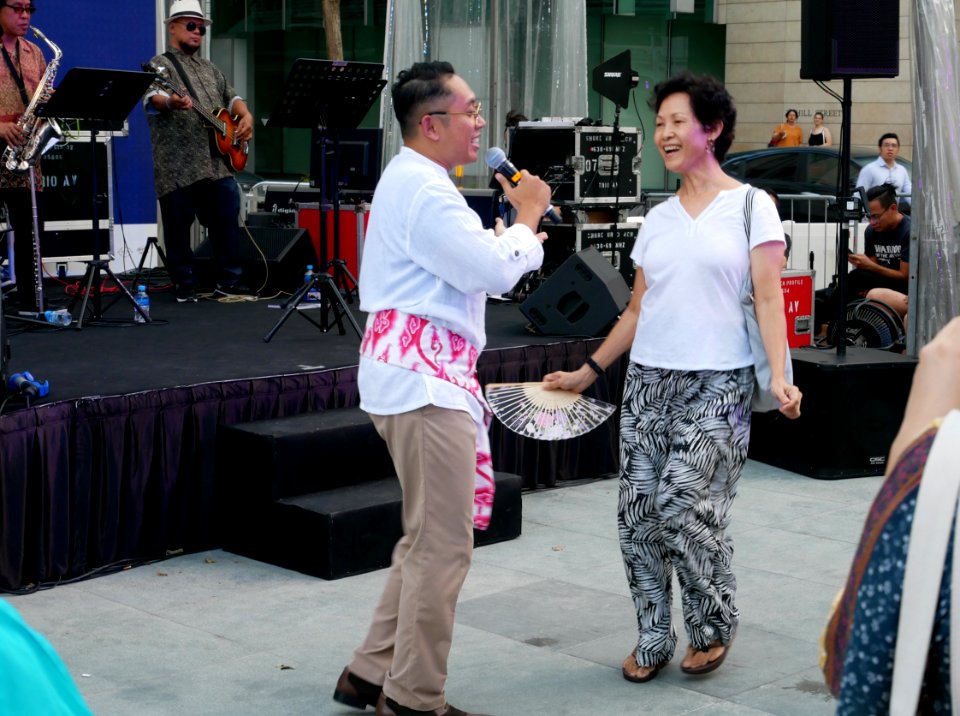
[
  {"x": 888, "y": 135},
  {"x": 886, "y": 194},
  {"x": 423, "y": 82}
]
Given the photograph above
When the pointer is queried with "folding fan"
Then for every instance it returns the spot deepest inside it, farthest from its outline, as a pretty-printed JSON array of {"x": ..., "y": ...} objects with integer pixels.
[{"x": 529, "y": 410}]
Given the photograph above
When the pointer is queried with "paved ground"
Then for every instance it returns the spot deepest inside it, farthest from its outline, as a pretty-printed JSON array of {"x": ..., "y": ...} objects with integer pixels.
[{"x": 543, "y": 623}]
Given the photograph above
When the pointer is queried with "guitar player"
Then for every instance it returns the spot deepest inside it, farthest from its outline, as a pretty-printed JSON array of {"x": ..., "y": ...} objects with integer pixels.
[{"x": 192, "y": 173}]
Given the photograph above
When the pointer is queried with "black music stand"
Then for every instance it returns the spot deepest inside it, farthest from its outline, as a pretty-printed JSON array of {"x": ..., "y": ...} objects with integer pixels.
[
  {"x": 328, "y": 95},
  {"x": 102, "y": 99}
]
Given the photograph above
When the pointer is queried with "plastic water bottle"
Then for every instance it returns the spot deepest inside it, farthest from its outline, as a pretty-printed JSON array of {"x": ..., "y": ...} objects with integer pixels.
[
  {"x": 59, "y": 318},
  {"x": 143, "y": 301},
  {"x": 312, "y": 294}
]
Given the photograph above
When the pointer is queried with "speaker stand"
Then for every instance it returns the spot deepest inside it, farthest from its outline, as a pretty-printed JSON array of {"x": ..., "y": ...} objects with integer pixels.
[
  {"x": 152, "y": 243},
  {"x": 847, "y": 214},
  {"x": 331, "y": 300}
]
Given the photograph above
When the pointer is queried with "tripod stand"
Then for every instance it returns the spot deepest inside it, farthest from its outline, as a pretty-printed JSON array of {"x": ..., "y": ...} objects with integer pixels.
[
  {"x": 328, "y": 95},
  {"x": 102, "y": 98},
  {"x": 152, "y": 243}
]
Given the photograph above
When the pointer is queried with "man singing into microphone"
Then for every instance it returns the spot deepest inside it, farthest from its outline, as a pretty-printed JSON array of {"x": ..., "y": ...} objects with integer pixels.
[{"x": 428, "y": 264}]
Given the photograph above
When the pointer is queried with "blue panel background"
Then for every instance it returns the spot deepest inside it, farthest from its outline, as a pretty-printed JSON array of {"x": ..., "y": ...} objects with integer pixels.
[{"x": 120, "y": 38}]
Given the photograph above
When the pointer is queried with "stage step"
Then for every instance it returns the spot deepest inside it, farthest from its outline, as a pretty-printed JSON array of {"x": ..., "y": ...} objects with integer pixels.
[
  {"x": 350, "y": 530},
  {"x": 294, "y": 455},
  {"x": 317, "y": 493}
]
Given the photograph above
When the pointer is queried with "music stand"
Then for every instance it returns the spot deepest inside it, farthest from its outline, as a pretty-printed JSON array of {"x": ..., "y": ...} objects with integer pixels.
[
  {"x": 329, "y": 95},
  {"x": 101, "y": 98}
]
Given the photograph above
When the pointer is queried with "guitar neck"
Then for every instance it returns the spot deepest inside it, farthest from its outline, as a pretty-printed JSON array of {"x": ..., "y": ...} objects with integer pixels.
[{"x": 208, "y": 117}]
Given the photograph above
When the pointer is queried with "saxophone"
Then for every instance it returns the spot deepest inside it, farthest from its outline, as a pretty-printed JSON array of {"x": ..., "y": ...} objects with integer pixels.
[{"x": 39, "y": 133}]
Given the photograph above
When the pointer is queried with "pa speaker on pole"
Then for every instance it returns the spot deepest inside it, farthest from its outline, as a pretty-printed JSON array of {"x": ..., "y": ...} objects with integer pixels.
[{"x": 849, "y": 39}]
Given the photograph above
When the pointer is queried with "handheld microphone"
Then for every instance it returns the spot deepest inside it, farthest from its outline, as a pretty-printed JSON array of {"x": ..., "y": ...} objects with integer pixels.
[{"x": 497, "y": 160}]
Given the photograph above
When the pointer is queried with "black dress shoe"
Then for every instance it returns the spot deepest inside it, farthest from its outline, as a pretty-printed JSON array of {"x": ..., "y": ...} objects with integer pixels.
[
  {"x": 356, "y": 692},
  {"x": 389, "y": 707}
]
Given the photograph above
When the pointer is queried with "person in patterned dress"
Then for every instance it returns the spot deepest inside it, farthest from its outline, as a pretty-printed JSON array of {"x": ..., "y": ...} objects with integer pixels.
[
  {"x": 685, "y": 418},
  {"x": 20, "y": 73}
]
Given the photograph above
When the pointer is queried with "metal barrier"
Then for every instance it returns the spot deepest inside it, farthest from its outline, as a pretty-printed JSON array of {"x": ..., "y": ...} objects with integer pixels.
[{"x": 813, "y": 234}]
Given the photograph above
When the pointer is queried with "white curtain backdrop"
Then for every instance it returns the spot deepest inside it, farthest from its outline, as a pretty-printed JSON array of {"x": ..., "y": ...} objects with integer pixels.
[
  {"x": 538, "y": 66},
  {"x": 935, "y": 216}
]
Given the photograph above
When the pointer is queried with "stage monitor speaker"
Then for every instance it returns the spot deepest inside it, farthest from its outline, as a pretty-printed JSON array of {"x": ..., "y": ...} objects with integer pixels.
[
  {"x": 581, "y": 298},
  {"x": 285, "y": 255},
  {"x": 851, "y": 411},
  {"x": 849, "y": 39}
]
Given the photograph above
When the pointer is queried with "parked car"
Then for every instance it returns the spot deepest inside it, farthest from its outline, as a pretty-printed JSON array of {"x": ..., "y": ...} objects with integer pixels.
[{"x": 799, "y": 170}]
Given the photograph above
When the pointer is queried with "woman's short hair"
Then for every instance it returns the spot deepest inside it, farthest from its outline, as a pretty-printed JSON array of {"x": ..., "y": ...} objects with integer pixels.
[
  {"x": 423, "y": 82},
  {"x": 710, "y": 101},
  {"x": 786, "y": 115}
]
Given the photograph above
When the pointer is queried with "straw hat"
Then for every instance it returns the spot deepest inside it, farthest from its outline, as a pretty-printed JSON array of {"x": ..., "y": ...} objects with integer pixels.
[{"x": 187, "y": 9}]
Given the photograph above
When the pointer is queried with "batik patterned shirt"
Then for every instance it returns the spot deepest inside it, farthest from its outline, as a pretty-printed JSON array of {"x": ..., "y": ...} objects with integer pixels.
[
  {"x": 182, "y": 149},
  {"x": 30, "y": 62}
]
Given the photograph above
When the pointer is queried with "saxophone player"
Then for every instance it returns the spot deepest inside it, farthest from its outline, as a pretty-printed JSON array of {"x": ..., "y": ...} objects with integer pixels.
[{"x": 21, "y": 70}]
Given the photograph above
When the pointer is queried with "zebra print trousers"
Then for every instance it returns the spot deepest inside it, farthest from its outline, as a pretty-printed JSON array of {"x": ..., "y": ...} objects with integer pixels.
[{"x": 683, "y": 442}]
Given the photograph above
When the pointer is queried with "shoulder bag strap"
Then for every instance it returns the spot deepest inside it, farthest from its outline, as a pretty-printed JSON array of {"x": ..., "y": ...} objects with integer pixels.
[
  {"x": 933, "y": 519},
  {"x": 747, "y": 220}
]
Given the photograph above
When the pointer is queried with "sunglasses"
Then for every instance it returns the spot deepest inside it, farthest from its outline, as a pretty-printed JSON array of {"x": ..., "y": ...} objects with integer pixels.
[
  {"x": 198, "y": 26},
  {"x": 22, "y": 9}
]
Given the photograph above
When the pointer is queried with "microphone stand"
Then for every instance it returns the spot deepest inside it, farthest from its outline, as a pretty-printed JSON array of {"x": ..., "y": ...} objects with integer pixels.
[{"x": 38, "y": 268}]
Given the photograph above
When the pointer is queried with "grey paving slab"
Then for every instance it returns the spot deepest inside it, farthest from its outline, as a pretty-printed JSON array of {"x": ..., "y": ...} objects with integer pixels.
[
  {"x": 548, "y": 613},
  {"x": 592, "y": 513},
  {"x": 800, "y": 694},
  {"x": 783, "y": 605},
  {"x": 543, "y": 623},
  {"x": 822, "y": 559},
  {"x": 844, "y": 524},
  {"x": 555, "y": 553},
  {"x": 508, "y": 678}
]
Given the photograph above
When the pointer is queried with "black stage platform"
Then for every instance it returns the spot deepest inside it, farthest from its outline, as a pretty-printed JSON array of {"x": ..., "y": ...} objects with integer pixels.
[
  {"x": 119, "y": 462},
  {"x": 203, "y": 342}
]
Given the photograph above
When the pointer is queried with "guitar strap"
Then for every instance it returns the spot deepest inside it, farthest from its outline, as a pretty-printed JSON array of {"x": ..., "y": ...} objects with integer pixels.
[
  {"x": 193, "y": 94},
  {"x": 183, "y": 75}
]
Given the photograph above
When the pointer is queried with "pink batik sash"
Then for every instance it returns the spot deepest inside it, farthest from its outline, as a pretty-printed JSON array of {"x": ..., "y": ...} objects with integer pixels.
[{"x": 414, "y": 343}]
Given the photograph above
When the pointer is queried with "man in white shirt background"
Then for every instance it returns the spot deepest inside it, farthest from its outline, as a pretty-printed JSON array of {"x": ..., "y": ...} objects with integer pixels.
[
  {"x": 885, "y": 169},
  {"x": 428, "y": 264}
]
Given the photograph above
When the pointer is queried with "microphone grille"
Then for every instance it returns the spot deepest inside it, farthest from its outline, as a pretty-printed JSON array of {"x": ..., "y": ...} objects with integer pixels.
[{"x": 495, "y": 157}]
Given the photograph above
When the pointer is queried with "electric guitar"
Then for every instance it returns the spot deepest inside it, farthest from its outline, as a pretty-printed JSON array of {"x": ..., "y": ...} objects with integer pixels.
[{"x": 222, "y": 125}]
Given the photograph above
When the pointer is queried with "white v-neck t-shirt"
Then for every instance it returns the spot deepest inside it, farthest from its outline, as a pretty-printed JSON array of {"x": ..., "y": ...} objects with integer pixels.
[{"x": 694, "y": 269}]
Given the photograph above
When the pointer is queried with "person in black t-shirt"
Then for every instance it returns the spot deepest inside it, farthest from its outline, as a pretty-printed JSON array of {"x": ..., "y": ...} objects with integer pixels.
[{"x": 885, "y": 260}]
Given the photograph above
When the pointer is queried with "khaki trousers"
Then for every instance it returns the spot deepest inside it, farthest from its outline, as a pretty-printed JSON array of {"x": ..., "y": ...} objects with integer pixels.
[{"x": 406, "y": 649}]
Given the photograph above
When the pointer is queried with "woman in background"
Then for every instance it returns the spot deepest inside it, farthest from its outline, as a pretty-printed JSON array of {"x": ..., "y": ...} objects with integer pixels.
[
  {"x": 819, "y": 136},
  {"x": 788, "y": 133}
]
